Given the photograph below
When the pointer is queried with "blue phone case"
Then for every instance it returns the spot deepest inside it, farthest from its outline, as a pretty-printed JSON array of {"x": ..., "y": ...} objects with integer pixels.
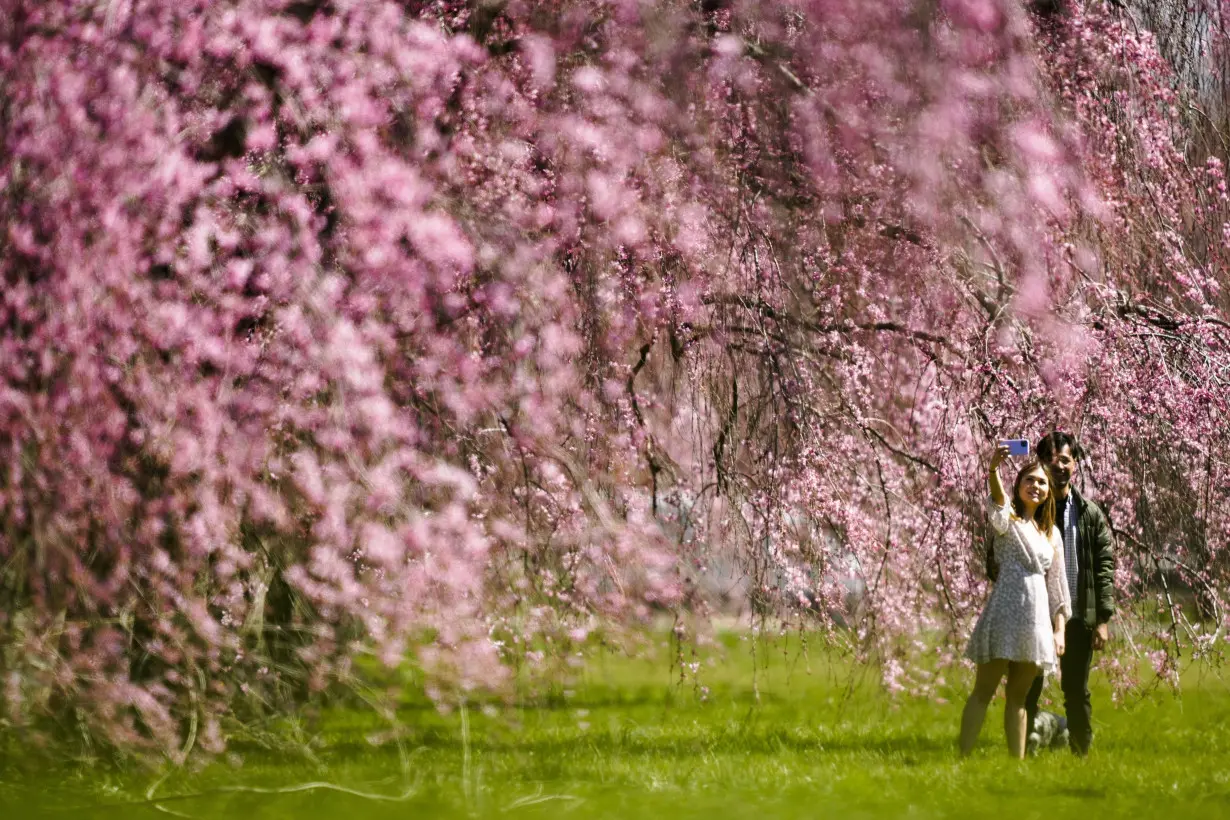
[{"x": 1017, "y": 446}]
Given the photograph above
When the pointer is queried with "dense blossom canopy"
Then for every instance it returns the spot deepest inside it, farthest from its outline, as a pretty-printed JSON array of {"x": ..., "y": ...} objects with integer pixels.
[{"x": 458, "y": 331}]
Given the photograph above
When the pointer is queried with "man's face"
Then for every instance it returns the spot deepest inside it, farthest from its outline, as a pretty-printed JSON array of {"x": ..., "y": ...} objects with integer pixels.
[{"x": 1063, "y": 466}]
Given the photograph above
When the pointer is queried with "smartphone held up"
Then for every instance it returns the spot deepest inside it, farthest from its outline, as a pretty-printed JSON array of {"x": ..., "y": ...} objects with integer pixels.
[{"x": 1016, "y": 446}]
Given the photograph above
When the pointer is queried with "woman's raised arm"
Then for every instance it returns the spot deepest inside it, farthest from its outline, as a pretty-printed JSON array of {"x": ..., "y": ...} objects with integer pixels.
[{"x": 997, "y": 489}]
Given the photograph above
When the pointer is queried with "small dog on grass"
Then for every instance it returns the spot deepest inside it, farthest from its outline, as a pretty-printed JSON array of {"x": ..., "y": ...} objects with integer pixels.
[{"x": 1050, "y": 732}]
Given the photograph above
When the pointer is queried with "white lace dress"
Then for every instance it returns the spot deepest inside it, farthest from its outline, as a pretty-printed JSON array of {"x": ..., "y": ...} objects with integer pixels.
[{"x": 1015, "y": 624}]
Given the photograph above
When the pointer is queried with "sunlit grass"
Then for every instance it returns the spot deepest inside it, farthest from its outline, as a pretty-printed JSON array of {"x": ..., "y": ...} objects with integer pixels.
[{"x": 625, "y": 739}]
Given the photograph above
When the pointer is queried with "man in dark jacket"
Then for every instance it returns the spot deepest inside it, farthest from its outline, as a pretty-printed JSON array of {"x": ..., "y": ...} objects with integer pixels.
[{"x": 1087, "y": 538}]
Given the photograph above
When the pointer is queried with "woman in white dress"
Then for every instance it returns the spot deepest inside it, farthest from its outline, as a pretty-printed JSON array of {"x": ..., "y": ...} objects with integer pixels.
[{"x": 1021, "y": 628}]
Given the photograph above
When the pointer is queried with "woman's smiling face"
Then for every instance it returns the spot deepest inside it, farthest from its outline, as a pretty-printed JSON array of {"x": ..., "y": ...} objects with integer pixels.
[{"x": 1034, "y": 487}]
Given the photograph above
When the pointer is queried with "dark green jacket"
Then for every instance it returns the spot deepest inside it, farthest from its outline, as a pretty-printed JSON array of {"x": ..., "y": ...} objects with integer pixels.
[{"x": 1095, "y": 584}]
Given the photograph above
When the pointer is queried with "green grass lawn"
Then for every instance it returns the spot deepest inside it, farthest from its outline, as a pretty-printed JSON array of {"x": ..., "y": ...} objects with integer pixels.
[{"x": 626, "y": 741}]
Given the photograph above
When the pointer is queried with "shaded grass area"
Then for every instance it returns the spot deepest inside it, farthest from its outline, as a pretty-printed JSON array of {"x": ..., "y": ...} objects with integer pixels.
[{"x": 627, "y": 740}]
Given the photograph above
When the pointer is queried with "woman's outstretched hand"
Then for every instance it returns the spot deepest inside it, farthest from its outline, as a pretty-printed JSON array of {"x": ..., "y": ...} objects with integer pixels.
[{"x": 997, "y": 457}]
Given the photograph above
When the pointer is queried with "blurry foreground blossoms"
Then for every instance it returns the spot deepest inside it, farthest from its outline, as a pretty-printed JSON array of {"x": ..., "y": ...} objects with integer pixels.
[{"x": 454, "y": 332}]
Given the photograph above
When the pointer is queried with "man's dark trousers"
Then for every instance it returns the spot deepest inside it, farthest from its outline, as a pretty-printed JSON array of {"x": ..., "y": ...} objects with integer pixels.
[{"x": 1074, "y": 669}]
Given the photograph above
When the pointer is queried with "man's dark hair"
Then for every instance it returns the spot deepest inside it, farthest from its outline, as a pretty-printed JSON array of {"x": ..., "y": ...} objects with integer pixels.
[{"x": 1055, "y": 441}]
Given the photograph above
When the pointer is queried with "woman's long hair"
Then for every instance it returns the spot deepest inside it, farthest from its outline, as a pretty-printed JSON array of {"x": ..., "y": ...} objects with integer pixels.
[{"x": 1044, "y": 515}]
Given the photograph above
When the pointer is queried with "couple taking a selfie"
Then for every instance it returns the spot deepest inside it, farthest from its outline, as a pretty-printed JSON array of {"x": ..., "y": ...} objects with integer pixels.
[{"x": 1052, "y": 564}]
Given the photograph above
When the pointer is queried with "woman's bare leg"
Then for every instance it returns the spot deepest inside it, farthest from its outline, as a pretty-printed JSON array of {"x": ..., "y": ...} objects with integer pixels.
[
  {"x": 985, "y": 683},
  {"x": 1020, "y": 678}
]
